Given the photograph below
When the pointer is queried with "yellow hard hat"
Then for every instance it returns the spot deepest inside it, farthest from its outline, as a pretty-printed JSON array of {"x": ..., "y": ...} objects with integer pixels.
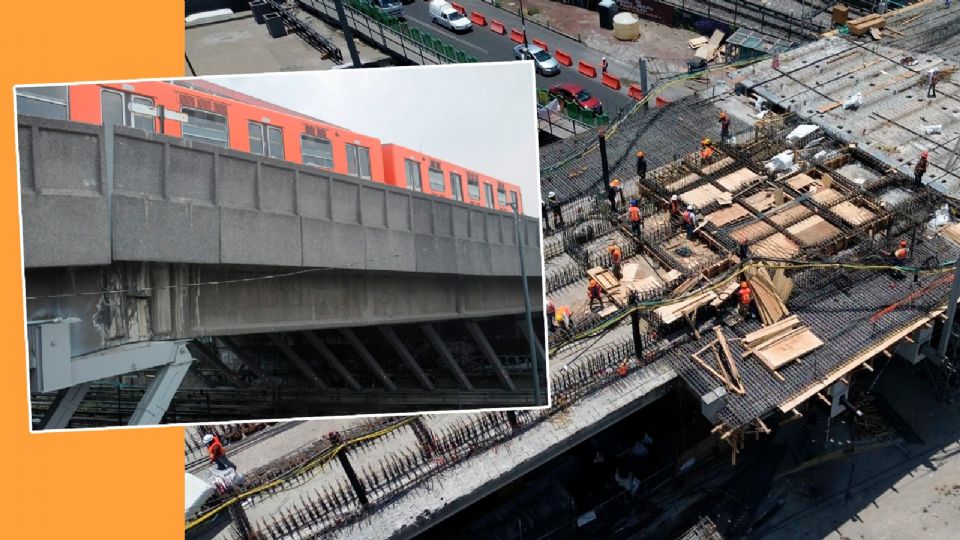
[
  {"x": 707, "y": 142},
  {"x": 640, "y": 153}
]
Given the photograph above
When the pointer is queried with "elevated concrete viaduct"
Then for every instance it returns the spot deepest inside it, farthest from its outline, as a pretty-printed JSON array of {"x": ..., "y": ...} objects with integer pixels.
[{"x": 136, "y": 241}]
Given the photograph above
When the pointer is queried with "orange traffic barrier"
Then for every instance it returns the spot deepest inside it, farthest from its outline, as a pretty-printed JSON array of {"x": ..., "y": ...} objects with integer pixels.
[
  {"x": 610, "y": 81},
  {"x": 661, "y": 103},
  {"x": 459, "y": 8},
  {"x": 477, "y": 18},
  {"x": 516, "y": 35},
  {"x": 587, "y": 70},
  {"x": 563, "y": 57},
  {"x": 542, "y": 44},
  {"x": 635, "y": 92},
  {"x": 497, "y": 26}
]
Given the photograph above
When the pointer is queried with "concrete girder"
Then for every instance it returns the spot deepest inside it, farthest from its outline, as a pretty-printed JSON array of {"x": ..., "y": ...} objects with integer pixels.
[
  {"x": 66, "y": 403},
  {"x": 445, "y": 355},
  {"x": 299, "y": 362},
  {"x": 202, "y": 352},
  {"x": 368, "y": 359},
  {"x": 407, "y": 358},
  {"x": 242, "y": 355},
  {"x": 491, "y": 355},
  {"x": 332, "y": 359},
  {"x": 156, "y": 399},
  {"x": 540, "y": 351}
]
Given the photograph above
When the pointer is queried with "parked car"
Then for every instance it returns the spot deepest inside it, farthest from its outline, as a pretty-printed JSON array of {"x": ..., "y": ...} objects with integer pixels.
[
  {"x": 572, "y": 93},
  {"x": 442, "y": 13},
  {"x": 390, "y": 7},
  {"x": 542, "y": 61}
]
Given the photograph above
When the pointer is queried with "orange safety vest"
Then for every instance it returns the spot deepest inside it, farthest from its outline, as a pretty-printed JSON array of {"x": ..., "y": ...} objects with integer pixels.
[
  {"x": 622, "y": 370},
  {"x": 215, "y": 449},
  {"x": 593, "y": 290},
  {"x": 562, "y": 311},
  {"x": 634, "y": 213},
  {"x": 687, "y": 216},
  {"x": 615, "y": 253},
  {"x": 744, "y": 293},
  {"x": 900, "y": 253},
  {"x": 706, "y": 153},
  {"x": 674, "y": 207}
]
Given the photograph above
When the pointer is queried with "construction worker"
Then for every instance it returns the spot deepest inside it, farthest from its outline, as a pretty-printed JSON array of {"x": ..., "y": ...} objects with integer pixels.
[
  {"x": 706, "y": 153},
  {"x": 557, "y": 210},
  {"x": 641, "y": 165},
  {"x": 616, "y": 258},
  {"x": 217, "y": 454},
  {"x": 623, "y": 369},
  {"x": 746, "y": 300},
  {"x": 920, "y": 169},
  {"x": 545, "y": 216},
  {"x": 634, "y": 214},
  {"x": 551, "y": 313},
  {"x": 603, "y": 65},
  {"x": 615, "y": 191},
  {"x": 933, "y": 77},
  {"x": 594, "y": 293},
  {"x": 724, "y": 126},
  {"x": 562, "y": 318},
  {"x": 690, "y": 221},
  {"x": 901, "y": 252}
]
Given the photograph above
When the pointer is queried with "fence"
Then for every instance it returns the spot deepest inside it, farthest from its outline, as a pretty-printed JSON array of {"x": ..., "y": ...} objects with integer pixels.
[{"x": 389, "y": 33}]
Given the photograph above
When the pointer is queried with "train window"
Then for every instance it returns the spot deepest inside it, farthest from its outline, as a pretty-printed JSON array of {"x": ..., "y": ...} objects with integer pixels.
[
  {"x": 456, "y": 184},
  {"x": 316, "y": 152},
  {"x": 502, "y": 196},
  {"x": 436, "y": 176},
  {"x": 45, "y": 101},
  {"x": 139, "y": 120},
  {"x": 473, "y": 186},
  {"x": 275, "y": 142},
  {"x": 488, "y": 191},
  {"x": 205, "y": 127},
  {"x": 256, "y": 138},
  {"x": 358, "y": 161},
  {"x": 413, "y": 175},
  {"x": 116, "y": 109}
]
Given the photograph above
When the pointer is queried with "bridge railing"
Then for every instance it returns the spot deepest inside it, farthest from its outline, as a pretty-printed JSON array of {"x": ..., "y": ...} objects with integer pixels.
[{"x": 388, "y": 33}]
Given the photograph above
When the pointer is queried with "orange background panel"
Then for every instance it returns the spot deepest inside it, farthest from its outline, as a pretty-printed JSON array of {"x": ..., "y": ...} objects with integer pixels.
[{"x": 97, "y": 484}]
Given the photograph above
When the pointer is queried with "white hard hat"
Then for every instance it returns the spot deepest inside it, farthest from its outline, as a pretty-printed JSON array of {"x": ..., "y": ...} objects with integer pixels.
[
  {"x": 207, "y": 439},
  {"x": 689, "y": 207},
  {"x": 673, "y": 197},
  {"x": 551, "y": 194}
]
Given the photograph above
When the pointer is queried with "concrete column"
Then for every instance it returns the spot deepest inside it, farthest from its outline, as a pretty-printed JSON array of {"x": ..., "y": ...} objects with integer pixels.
[
  {"x": 155, "y": 401},
  {"x": 368, "y": 359},
  {"x": 491, "y": 355},
  {"x": 445, "y": 355},
  {"x": 299, "y": 362},
  {"x": 332, "y": 360},
  {"x": 407, "y": 358}
]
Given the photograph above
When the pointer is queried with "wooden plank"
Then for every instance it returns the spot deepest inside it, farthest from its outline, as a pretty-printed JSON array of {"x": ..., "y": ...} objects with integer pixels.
[
  {"x": 790, "y": 349},
  {"x": 758, "y": 335},
  {"x": 875, "y": 34},
  {"x": 733, "y": 364}
]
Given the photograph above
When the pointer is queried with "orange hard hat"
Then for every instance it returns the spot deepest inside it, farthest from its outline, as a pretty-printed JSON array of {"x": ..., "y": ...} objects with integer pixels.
[
  {"x": 615, "y": 182},
  {"x": 744, "y": 283},
  {"x": 640, "y": 153},
  {"x": 723, "y": 114},
  {"x": 924, "y": 154},
  {"x": 903, "y": 243}
]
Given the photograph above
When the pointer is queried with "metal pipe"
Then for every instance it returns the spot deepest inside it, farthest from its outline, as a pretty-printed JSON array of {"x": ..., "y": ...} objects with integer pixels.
[
  {"x": 347, "y": 33},
  {"x": 526, "y": 304}
]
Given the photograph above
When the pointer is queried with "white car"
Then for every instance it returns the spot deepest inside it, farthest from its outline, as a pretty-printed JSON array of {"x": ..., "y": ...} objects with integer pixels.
[{"x": 442, "y": 13}]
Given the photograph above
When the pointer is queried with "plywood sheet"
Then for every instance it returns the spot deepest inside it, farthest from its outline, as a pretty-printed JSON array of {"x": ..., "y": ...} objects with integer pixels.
[
  {"x": 813, "y": 231},
  {"x": 701, "y": 196},
  {"x": 789, "y": 216},
  {"x": 802, "y": 181},
  {"x": 952, "y": 232},
  {"x": 775, "y": 246},
  {"x": 738, "y": 180},
  {"x": 727, "y": 215},
  {"x": 762, "y": 200},
  {"x": 826, "y": 197},
  {"x": 717, "y": 165},
  {"x": 682, "y": 182},
  {"x": 750, "y": 233},
  {"x": 852, "y": 214},
  {"x": 787, "y": 350}
]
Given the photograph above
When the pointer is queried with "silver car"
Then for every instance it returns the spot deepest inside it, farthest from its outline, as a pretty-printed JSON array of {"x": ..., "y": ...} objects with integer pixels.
[{"x": 542, "y": 61}]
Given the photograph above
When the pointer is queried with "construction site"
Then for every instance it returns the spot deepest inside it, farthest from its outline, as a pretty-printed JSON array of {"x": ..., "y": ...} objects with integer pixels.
[{"x": 751, "y": 292}]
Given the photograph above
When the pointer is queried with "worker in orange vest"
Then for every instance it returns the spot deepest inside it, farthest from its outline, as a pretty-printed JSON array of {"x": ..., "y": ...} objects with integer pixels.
[
  {"x": 594, "y": 293},
  {"x": 622, "y": 369},
  {"x": 641, "y": 165},
  {"x": 634, "y": 214},
  {"x": 616, "y": 257},
  {"x": 724, "y": 126},
  {"x": 563, "y": 318},
  {"x": 615, "y": 192},
  {"x": 706, "y": 154},
  {"x": 746, "y": 300},
  {"x": 920, "y": 169},
  {"x": 902, "y": 252},
  {"x": 551, "y": 313},
  {"x": 217, "y": 454}
]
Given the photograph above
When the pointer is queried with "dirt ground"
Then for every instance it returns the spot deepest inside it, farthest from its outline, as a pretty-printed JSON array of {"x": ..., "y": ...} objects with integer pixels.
[{"x": 665, "y": 48}]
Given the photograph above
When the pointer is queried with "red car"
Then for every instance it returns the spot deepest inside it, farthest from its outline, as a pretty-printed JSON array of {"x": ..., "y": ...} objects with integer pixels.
[{"x": 573, "y": 93}]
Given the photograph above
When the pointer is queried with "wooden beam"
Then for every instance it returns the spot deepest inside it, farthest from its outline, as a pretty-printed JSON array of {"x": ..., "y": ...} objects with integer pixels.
[{"x": 730, "y": 360}]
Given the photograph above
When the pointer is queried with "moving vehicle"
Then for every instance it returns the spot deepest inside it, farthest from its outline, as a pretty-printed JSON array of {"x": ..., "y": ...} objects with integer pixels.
[
  {"x": 542, "y": 61},
  {"x": 442, "y": 13},
  {"x": 390, "y": 7},
  {"x": 572, "y": 93}
]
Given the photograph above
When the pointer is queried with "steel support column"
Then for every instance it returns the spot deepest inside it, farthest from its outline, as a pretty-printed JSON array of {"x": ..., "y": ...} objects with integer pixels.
[
  {"x": 64, "y": 405},
  {"x": 154, "y": 403},
  {"x": 242, "y": 356},
  {"x": 299, "y": 362},
  {"x": 541, "y": 354},
  {"x": 445, "y": 355},
  {"x": 407, "y": 358},
  {"x": 368, "y": 359},
  {"x": 202, "y": 351},
  {"x": 491, "y": 355},
  {"x": 332, "y": 359}
]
